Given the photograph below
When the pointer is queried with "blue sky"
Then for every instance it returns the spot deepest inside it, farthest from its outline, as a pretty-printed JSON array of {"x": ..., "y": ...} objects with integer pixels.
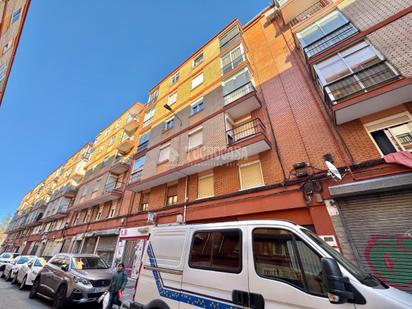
[{"x": 81, "y": 63}]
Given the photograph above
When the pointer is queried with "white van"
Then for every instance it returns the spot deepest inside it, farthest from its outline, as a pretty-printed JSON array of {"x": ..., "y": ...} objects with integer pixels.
[{"x": 255, "y": 264}]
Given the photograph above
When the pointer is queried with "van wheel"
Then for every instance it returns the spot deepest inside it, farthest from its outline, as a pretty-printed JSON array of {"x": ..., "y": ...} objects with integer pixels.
[
  {"x": 60, "y": 299},
  {"x": 23, "y": 283},
  {"x": 35, "y": 288},
  {"x": 157, "y": 304}
]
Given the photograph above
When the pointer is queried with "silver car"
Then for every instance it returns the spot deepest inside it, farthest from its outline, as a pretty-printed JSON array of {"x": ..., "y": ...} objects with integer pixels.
[
  {"x": 72, "y": 278},
  {"x": 5, "y": 258}
]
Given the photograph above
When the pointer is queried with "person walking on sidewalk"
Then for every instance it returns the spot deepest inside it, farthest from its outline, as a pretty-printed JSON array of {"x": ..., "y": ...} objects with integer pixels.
[{"x": 117, "y": 286}]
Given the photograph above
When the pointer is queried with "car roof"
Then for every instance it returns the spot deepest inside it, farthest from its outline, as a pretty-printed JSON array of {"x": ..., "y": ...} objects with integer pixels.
[{"x": 78, "y": 255}]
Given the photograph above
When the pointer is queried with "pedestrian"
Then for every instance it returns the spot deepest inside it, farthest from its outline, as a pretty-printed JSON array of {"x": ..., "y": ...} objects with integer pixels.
[{"x": 117, "y": 286}]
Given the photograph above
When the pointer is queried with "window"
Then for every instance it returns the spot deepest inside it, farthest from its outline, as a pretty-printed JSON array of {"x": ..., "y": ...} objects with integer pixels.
[
  {"x": 87, "y": 216},
  {"x": 325, "y": 32},
  {"x": 277, "y": 254},
  {"x": 16, "y": 16},
  {"x": 144, "y": 201},
  {"x": 84, "y": 191},
  {"x": 137, "y": 169},
  {"x": 106, "y": 132},
  {"x": 197, "y": 81},
  {"x": 7, "y": 46},
  {"x": 195, "y": 138},
  {"x": 117, "y": 124},
  {"x": 392, "y": 134},
  {"x": 205, "y": 186},
  {"x": 111, "y": 141},
  {"x": 198, "y": 60},
  {"x": 2, "y": 71},
  {"x": 148, "y": 117},
  {"x": 217, "y": 250},
  {"x": 153, "y": 95},
  {"x": 99, "y": 213},
  {"x": 143, "y": 142},
  {"x": 236, "y": 86},
  {"x": 172, "y": 98},
  {"x": 229, "y": 36},
  {"x": 112, "y": 212},
  {"x": 171, "y": 196},
  {"x": 164, "y": 153},
  {"x": 232, "y": 59},
  {"x": 197, "y": 106},
  {"x": 76, "y": 218},
  {"x": 97, "y": 185},
  {"x": 175, "y": 78},
  {"x": 106, "y": 160},
  {"x": 353, "y": 70},
  {"x": 169, "y": 123},
  {"x": 251, "y": 175}
]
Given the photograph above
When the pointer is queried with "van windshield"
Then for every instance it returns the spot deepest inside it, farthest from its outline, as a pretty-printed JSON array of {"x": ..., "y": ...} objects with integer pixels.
[
  {"x": 83, "y": 263},
  {"x": 362, "y": 276}
]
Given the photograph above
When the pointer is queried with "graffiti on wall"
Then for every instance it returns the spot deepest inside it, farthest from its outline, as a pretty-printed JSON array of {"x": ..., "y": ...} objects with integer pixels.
[{"x": 389, "y": 257}]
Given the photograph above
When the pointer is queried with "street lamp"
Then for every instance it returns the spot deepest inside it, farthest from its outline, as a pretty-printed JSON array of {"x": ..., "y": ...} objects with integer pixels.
[{"x": 167, "y": 106}]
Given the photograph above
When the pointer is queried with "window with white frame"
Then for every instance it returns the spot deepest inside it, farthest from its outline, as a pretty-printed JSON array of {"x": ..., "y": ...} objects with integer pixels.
[
  {"x": 172, "y": 99},
  {"x": 2, "y": 71},
  {"x": 111, "y": 141},
  {"x": 205, "y": 186},
  {"x": 112, "y": 212},
  {"x": 153, "y": 96},
  {"x": 144, "y": 201},
  {"x": 195, "y": 138},
  {"x": 99, "y": 213},
  {"x": 198, "y": 80},
  {"x": 197, "y": 106},
  {"x": 171, "y": 195},
  {"x": 164, "y": 153},
  {"x": 232, "y": 59},
  {"x": 175, "y": 78},
  {"x": 106, "y": 132},
  {"x": 87, "y": 216},
  {"x": 198, "y": 60},
  {"x": 7, "y": 46},
  {"x": 16, "y": 15},
  {"x": 251, "y": 175},
  {"x": 392, "y": 134},
  {"x": 148, "y": 117},
  {"x": 325, "y": 32},
  {"x": 137, "y": 169},
  {"x": 353, "y": 70},
  {"x": 169, "y": 123}
]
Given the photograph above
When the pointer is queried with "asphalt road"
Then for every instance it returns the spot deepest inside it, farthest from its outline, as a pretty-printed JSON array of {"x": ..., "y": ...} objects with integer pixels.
[{"x": 12, "y": 298}]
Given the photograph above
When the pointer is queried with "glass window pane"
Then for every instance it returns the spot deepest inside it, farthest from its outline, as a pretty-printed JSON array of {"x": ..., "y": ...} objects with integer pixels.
[
  {"x": 362, "y": 58},
  {"x": 332, "y": 22},
  {"x": 310, "y": 35},
  {"x": 274, "y": 256},
  {"x": 333, "y": 70}
]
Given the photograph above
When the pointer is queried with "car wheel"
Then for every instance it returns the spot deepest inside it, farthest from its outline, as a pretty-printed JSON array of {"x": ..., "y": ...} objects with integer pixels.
[
  {"x": 23, "y": 283},
  {"x": 35, "y": 288},
  {"x": 8, "y": 277},
  {"x": 14, "y": 281},
  {"x": 60, "y": 298},
  {"x": 2, "y": 274}
]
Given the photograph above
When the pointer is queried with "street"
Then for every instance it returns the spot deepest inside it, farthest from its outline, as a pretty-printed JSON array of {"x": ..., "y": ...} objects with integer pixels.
[{"x": 12, "y": 298}]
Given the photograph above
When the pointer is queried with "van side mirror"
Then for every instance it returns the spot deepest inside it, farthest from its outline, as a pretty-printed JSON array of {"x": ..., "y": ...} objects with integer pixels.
[
  {"x": 334, "y": 283},
  {"x": 64, "y": 267}
]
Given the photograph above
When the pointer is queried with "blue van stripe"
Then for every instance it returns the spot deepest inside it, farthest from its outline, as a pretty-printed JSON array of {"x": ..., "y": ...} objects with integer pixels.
[{"x": 180, "y": 296}]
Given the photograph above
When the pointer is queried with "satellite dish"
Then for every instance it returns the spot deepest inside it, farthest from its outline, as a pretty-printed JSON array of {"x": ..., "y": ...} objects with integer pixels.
[{"x": 333, "y": 171}]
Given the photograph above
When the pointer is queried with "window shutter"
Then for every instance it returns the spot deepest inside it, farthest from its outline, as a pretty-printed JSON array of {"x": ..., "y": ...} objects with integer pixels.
[
  {"x": 206, "y": 186},
  {"x": 197, "y": 81},
  {"x": 251, "y": 175},
  {"x": 172, "y": 190},
  {"x": 164, "y": 154},
  {"x": 195, "y": 138}
]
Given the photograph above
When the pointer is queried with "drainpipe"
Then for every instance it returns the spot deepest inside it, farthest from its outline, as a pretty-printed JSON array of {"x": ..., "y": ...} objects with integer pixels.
[{"x": 186, "y": 199}]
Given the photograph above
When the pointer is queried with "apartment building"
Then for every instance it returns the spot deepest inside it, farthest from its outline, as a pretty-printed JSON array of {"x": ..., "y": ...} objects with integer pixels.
[
  {"x": 101, "y": 203},
  {"x": 13, "y": 14},
  {"x": 242, "y": 130}
]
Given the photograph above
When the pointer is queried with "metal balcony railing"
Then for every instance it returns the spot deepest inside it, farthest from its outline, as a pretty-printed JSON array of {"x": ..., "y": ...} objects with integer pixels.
[
  {"x": 113, "y": 186},
  {"x": 238, "y": 93},
  {"x": 233, "y": 64},
  {"x": 359, "y": 82},
  {"x": 244, "y": 131},
  {"x": 338, "y": 35},
  {"x": 306, "y": 13}
]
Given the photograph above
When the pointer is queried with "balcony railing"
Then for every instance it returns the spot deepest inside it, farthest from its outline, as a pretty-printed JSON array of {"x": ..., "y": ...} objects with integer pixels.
[
  {"x": 238, "y": 93},
  {"x": 244, "y": 131},
  {"x": 340, "y": 34},
  {"x": 136, "y": 176},
  {"x": 233, "y": 64},
  {"x": 142, "y": 147},
  {"x": 113, "y": 187},
  {"x": 359, "y": 82},
  {"x": 306, "y": 13}
]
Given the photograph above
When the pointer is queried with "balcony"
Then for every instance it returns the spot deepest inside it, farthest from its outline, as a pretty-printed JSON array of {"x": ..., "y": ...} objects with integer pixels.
[
  {"x": 330, "y": 40},
  {"x": 243, "y": 141},
  {"x": 56, "y": 213},
  {"x": 120, "y": 165},
  {"x": 380, "y": 81},
  {"x": 126, "y": 145},
  {"x": 241, "y": 101},
  {"x": 142, "y": 147},
  {"x": 233, "y": 64},
  {"x": 132, "y": 124},
  {"x": 112, "y": 191},
  {"x": 295, "y": 11}
]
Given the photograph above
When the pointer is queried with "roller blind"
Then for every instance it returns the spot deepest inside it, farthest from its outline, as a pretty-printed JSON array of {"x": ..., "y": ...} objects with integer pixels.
[
  {"x": 206, "y": 186},
  {"x": 196, "y": 138},
  {"x": 251, "y": 175},
  {"x": 164, "y": 153}
]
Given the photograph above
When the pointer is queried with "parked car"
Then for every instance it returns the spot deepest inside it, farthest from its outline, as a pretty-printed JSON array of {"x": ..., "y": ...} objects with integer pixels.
[
  {"x": 255, "y": 264},
  {"x": 72, "y": 278},
  {"x": 28, "y": 272},
  {"x": 6, "y": 258},
  {"x": 12, "y": 268}
]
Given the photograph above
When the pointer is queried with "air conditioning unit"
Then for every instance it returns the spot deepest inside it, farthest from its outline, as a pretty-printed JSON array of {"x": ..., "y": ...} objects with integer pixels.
[{"x": 272, "y": 13}]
